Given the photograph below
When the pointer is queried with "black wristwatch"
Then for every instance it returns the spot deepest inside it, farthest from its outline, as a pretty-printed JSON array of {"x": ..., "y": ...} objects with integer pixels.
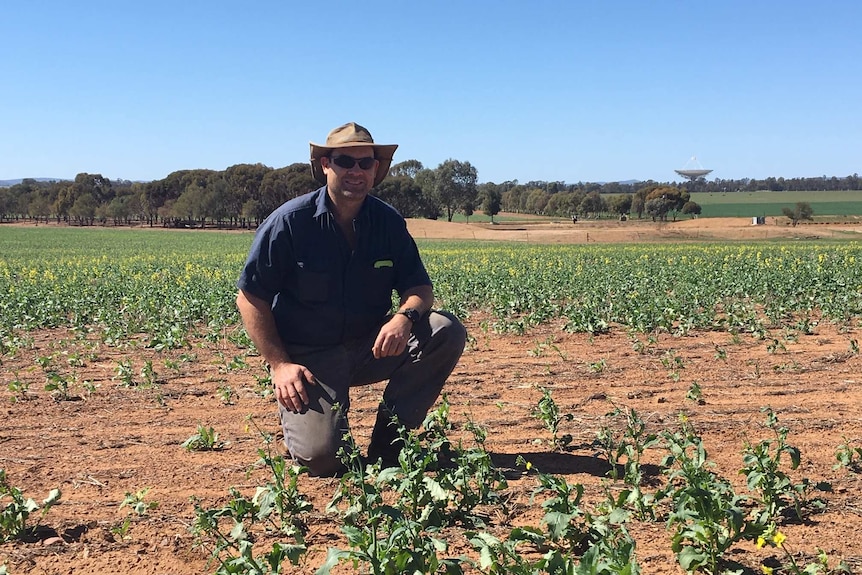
[{"x": 412, "y": 314}]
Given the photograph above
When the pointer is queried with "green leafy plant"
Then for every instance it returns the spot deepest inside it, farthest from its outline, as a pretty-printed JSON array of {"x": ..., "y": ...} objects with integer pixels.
[
  {"x": 598, "y": 366},
  {"x": 18, "y": 388},
  {"x": 626, "y": 448},
  {"x": 695, "y": 393},
  {"x": 122, "y": 529},
  {"x": 707, "y": 516},
  {"x": 673, "y": 363},
  {"x": 764, "y": 476},
  {"x": 75, "y": 360},
  {"x": 609, "y": 549},
  {"x": 135, "y": 501},
  {"x": 436, "y": 485},
  {"x": 90, "y": 387},
  {"x": 542, "y": 347},
  {"x": 612, "y": 548},
  {"x": 624, "y": 451},
  {"x": 386, "y": 538},
  {"x": 499, "y": 557},
  {"x": 15, "y": 512},
  {"x": 263, "y": 387},
  {"x": 237, "y": 363},
  {"x": 639, "y": 346},
  {"x": 549, "y": 414},
  {"x": 225, "y": 394},
  {"x": 228, "y": 532},
  {"x": 849, "y": 457},
  {"x": 148, "y": 374},
  {"x": 233, "y": 548},
  {"x": 563, "y": 517},
  {"x": 125, "y": 373},
  {"x": 57, "y": 385},
  {"x": 280, "y": 502},
  {"x": 470, "y": 478},
  {"x": 775, "y": 346},
  {"x": 205, "y": 439}
]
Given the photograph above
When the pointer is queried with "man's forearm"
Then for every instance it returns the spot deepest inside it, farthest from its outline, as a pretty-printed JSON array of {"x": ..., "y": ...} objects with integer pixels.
[
  {"x": 260, "y": 324},
  {"x": 420, "y": 298}
]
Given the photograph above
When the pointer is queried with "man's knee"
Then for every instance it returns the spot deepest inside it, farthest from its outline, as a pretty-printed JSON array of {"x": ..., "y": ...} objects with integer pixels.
[
  {"x": 449, "y": 330},
  {"x": 314, "y": 441},
  {"x": 321, "y": 458}
]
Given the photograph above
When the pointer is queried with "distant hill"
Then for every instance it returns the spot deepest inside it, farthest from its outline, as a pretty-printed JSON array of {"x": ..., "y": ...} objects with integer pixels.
[
  {"x": 10, "y": 183},
  {"x": 624, "y": 182}
]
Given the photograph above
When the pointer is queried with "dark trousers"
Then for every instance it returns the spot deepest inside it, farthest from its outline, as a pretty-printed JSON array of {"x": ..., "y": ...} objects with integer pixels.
[{"x": 416, "y": 377}]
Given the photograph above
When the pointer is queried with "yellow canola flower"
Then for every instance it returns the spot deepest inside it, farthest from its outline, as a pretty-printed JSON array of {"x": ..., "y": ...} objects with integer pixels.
[
  {"x": 766, "y": 570},
  {"x": 760, "y": 542},
  {"x": 778, "y": 539}
]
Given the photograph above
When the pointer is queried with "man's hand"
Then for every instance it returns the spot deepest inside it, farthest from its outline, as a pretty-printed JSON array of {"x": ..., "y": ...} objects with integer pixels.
[
  {"x": 393, "y": 336},
  {"x": 289, "y": 381}
]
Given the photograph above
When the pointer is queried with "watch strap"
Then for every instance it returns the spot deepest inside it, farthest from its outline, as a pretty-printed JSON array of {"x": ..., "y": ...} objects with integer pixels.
[{"x": 412, "y": 314}]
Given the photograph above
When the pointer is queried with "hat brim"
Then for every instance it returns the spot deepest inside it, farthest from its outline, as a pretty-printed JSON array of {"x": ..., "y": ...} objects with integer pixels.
[{"x": 383, "y": 153}]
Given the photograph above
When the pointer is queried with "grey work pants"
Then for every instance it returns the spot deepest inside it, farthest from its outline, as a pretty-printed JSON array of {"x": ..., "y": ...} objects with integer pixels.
[{"x": 416, "y": 377}]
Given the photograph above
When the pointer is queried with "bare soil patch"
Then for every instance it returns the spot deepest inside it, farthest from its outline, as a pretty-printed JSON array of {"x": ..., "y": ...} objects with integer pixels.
[{"x": 632, "y": 231}]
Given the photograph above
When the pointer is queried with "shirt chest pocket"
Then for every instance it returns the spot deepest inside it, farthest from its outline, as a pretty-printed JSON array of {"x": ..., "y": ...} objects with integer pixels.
[
  {"x": 380, "y": 277},
  {"x": 312, "y": 286}
]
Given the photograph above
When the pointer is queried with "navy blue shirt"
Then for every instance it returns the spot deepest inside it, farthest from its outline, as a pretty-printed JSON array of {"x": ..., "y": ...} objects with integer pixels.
[{"x": 321, "y": 292}]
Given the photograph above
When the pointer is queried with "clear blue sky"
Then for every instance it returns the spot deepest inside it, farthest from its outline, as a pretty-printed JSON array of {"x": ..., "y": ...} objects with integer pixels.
[{"x": 530, "y": 90}]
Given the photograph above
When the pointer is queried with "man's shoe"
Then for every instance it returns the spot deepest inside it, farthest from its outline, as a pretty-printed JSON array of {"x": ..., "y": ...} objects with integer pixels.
[{"x": 386, "y": 442}]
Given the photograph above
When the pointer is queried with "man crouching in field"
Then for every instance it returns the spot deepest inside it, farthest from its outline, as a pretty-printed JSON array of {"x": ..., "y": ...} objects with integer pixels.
[{"x": 315, "y": 296}]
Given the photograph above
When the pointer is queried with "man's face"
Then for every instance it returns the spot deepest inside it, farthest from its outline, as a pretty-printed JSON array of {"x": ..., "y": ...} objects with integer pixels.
[{"x": 352, "y": 183}]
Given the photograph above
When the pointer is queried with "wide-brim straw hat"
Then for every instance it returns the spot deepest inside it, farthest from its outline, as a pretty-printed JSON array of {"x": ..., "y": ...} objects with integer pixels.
[{"x": 351, "y": 135}]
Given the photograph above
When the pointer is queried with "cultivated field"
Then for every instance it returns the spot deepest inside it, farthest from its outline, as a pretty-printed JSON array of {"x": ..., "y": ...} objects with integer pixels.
[
  {"x": 651, "y": 398},
  {"x": 764, "y": 203}
]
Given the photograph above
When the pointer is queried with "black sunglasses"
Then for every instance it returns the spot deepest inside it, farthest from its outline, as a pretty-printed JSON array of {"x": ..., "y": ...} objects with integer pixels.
[{"x": 347, "y": 162}]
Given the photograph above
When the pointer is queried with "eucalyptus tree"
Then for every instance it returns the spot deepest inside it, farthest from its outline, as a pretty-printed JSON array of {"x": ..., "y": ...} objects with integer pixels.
[
  {"x": 802, "y": 211},
  {"x": 491, "y": 198},
  {"x": 620, "y": 204},
  {"x": 244, "y": 181},
  {"x": 455, "y": 186},
  {"x": 593, "y": 203},
  {"x": 427, "y": 181},
  {"x": 402, "y": 193},
  {"x": 97, "y": 187},
  {"x": 283, "y": 184},
  {"x": 408, "y": 168},
  {"x": 662, "y": 200}
]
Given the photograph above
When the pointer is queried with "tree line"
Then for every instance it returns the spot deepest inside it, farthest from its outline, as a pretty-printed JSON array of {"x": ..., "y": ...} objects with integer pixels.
[{"x": 244, "y": 194}]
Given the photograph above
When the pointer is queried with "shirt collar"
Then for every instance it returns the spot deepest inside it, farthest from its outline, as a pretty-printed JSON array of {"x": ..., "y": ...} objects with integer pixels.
[{"x": 320, "y": 202}]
